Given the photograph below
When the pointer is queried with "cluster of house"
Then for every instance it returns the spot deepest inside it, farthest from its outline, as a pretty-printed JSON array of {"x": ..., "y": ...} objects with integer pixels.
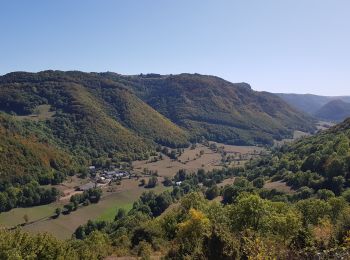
[
  {"x": 107, "y": 176},
  {"x": 103, "y": 177}
]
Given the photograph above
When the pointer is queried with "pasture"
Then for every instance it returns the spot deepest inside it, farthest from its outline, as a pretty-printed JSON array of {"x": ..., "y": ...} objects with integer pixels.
[{"x": 40, "y": 217}]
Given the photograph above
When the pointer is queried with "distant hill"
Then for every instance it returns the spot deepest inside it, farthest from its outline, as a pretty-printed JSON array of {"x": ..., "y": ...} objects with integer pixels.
[
  {"x": 217, "y": 109},
  {"x": 335, "y": 110},
  {"x": 309, "y": 103}
]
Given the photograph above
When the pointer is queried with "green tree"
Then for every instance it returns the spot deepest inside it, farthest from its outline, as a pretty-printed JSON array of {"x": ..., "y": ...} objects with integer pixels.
[
  {"x": 313, "y": 210},
  {"x": 58, "y": 212},
  {"x": 259, "y": 182},
  {"x": 212, "y": 192},
  {"x": 250, "y": 212},
  {"x": 325, "y": 194},
  {"x": 152, "y": 182}
]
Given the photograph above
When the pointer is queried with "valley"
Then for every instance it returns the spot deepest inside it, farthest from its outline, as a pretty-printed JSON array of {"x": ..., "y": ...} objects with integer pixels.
[
  {"x": 123, "y": 194},
  {"x": 159, "y": 161},
  {"x": 175, "y": 130}
]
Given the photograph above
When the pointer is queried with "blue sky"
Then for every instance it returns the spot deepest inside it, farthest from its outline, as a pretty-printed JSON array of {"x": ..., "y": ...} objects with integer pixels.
[{"x": 300, "y": 46}]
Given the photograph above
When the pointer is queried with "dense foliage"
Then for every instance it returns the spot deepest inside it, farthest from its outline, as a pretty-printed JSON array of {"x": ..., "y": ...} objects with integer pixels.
[
  {"x": 20, "y": 245},
  {"x": 93, "y": 117},
  {"x": 250, "y": 227},
  {"x": 216, "y": 109},
  {"x": 87, "y": 118},
  {"x": 311, "y": 164}
]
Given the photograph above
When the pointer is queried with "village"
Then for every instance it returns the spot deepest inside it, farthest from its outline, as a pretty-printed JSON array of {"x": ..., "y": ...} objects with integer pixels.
[{"x": 100, "y": 177}]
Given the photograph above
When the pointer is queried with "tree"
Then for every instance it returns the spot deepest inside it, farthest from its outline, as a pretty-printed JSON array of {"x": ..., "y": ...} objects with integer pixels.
[
  {"x": 194, "y": 200},
  {"x": 144, "y": 250},
  {"x": 58, "y": 212},
  {"x": 334, "y": 168},
  {"x": 259, "y": 182},
  {"x": 313, "y": 210},
  {"x": 192, "y": 233},
  {"x": 180, "y": 175},
  {"x": 250, "y": 212},
  {"x": 346, "y": 195},
  {"x": 173, "y": 155},
  {"x": 325, "y": 194},
  {"x": 163, "y": 201},
  {"x": 152, "y": 182},
  {"x": 337, "y": 184},
  {"x": 167, "y": 182},
  {"x": 212, "y": 192},
  {"x": 68, "y": 208}
]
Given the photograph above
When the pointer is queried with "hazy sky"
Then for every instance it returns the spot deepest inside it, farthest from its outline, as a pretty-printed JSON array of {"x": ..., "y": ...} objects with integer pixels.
[{"x": 300, "y": 46}]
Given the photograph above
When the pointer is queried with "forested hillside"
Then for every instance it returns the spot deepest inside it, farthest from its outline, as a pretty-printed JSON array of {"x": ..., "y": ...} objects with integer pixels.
[
  {"x": 311, "y": 164},
  {"x": 216, "y": 109},
  {"x": 55, "y": 123},
  {"x": 91, "y": 115}
]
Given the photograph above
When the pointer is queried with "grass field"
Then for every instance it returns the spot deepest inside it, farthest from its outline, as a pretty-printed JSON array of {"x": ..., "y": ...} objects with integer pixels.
[
  {"x": 63, "y": 227},
  {"x": 15, "y": 216}
]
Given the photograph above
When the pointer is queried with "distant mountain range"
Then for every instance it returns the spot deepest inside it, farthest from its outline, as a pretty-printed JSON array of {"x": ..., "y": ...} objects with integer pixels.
[{"x": 322, "y": 107}]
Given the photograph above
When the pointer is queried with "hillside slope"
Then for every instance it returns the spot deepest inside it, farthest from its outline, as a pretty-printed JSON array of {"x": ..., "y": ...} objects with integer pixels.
[
  {"x": 86, "y": 116},
  {"x": 22, "y": 153},
  {"x": 312, "y": 163},
  {"x": 336, "y": 110},
  {"x": 217, "y": 109},
  {"x": 93, "y": 116}
]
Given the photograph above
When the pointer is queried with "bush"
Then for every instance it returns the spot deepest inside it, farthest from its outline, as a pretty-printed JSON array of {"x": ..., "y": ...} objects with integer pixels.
[
  {"x": 259, "y": 182},
  {"x": 212, "y": 192},
  {"x": 152, "y": 182}
]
